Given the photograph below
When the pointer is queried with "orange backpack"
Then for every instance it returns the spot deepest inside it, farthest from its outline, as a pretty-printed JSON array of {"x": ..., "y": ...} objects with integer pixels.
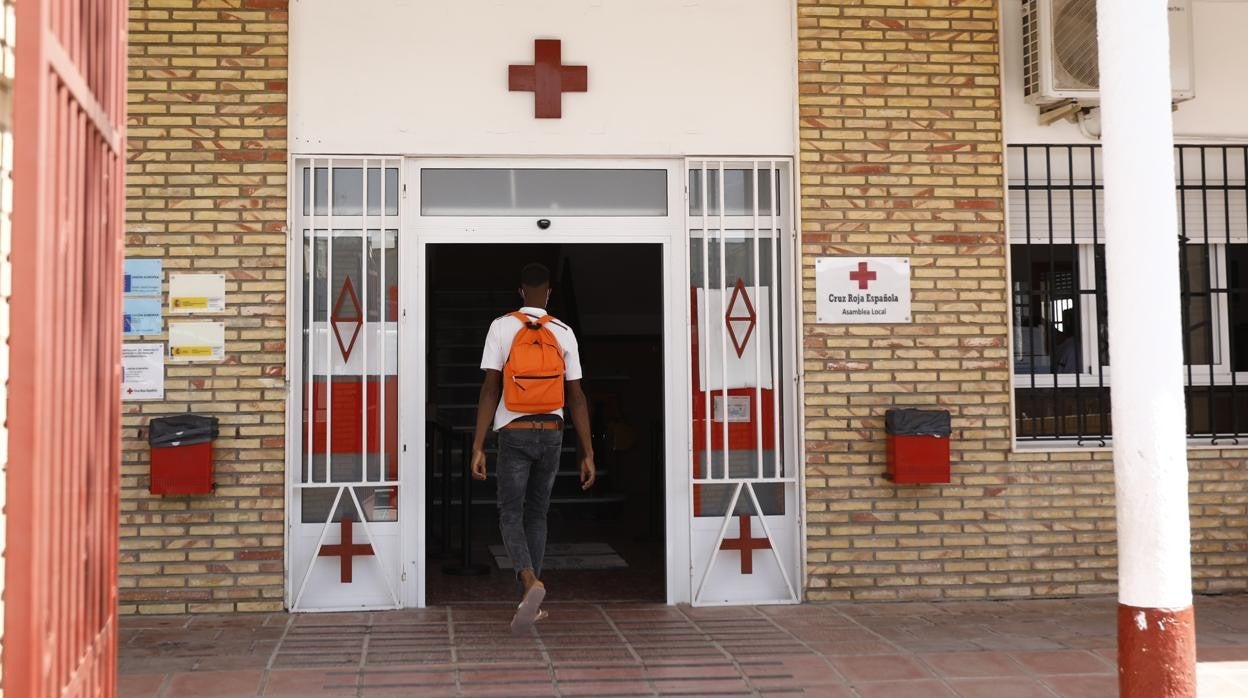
[{"x": 533, "y": 374}]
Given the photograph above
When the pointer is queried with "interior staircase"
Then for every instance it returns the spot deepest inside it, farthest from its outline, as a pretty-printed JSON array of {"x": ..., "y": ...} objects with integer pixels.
[{"x": 458, "y": 322}]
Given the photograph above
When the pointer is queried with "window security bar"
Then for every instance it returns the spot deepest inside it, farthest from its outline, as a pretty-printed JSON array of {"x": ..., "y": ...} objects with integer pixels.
[{"x": 1061, "y": 366}]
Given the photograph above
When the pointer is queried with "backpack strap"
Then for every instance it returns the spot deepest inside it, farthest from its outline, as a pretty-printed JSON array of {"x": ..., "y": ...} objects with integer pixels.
[
  {"x": 525, "y": 320},
  {"x": 530, "y": 321}
]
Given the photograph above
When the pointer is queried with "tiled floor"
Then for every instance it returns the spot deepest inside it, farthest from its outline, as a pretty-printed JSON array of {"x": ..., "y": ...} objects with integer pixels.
[{"x": 974, "y": 650}]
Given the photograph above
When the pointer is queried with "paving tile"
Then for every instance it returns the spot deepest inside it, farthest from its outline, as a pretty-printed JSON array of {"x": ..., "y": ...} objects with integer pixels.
[
  {"x": 808, "y": 670},
  {"x": 407, "y": 692},
  {"x": 294, "y": 683},
  {"x": 880, "y": 668},
  {"x": 600, "y": 689},
  {"x": 1016, "y": 649},
  {"x": 506, "y": 690},
  {"x": 409, "y": 676},
  {"x": 686, "y": 671},
  {"x": 1213, "y": 686},
  {"x": 141, "y": 622},
  {"x": 1083, "y": 686},
  {"x": 215, "y": 684},
  {"x": 722, "y": 686},
  {"x": 1019, "y": 642},
  {"x": 972, "y": 664},
  {"x": 139, "y": 685},
  {"x": 852, "y": 647},
  {"x": 1001, "y": 687},
  {"x": 927, "y": 688},
  {"x": 127, "y": 664},
  {"x": 237, "y": 620},
  {"x": 1221, "y": 654},
  {"x": 1063, "y": 662},
  {"x": 825, "y": 691}
]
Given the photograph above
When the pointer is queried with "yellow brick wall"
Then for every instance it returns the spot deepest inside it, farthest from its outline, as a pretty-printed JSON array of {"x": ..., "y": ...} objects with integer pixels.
[
  {"x": 207, "y": 193},
  {"x": 901, "y": 154}
]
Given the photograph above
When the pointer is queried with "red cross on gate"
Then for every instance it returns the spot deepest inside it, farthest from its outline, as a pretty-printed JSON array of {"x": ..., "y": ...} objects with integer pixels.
[
  {"x": 862, "y": 276},
  {"x": 548, "y": 78},
  {"x": 345, "y": 550},
  {"x": 746, "y": 545}
]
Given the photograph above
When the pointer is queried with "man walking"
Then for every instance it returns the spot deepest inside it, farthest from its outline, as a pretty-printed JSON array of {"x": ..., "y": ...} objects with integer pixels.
[{"x": 532, "y": 374}]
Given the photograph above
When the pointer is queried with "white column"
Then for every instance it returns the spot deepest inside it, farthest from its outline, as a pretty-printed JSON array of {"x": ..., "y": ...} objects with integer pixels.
[{"x": 1145, "y": 343}]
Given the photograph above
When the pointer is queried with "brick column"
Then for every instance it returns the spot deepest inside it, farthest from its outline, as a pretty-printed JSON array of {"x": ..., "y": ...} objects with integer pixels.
[
  {"x": 901, "y": 155},
  {"x": 1156, "y": 627},
  {"x": 207, "y": 193}
]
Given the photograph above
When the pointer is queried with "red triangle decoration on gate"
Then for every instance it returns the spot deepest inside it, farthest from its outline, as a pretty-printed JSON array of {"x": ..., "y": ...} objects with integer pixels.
[
  {"x": 744, "y": 318},
  {"x": 347, "y": 294}
]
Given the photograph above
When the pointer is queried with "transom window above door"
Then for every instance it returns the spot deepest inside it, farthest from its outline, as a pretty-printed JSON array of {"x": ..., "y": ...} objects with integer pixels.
[{"x": 542, "y": 192}]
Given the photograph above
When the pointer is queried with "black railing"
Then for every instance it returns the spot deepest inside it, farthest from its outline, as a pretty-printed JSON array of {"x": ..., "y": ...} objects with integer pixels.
[{"x": 1059, "y": 319}]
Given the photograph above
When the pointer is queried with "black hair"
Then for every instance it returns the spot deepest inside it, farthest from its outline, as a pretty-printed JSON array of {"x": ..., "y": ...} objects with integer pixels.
[{"x": 534, "y": 276}]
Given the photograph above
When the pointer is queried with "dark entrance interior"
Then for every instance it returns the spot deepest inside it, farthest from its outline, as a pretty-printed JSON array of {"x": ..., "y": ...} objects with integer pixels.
[{"x": 605, "y": 544}]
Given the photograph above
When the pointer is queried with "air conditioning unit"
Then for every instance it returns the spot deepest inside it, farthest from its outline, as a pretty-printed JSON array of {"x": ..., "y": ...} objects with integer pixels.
[{"x": 1060, "y": 56}]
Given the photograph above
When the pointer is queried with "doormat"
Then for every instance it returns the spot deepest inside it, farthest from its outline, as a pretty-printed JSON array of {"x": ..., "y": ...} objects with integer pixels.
[{"x": 569, "y": 556}]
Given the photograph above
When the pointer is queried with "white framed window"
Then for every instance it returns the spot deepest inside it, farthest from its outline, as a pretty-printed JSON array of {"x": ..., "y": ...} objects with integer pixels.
[{"x": 1060, "y": 362}]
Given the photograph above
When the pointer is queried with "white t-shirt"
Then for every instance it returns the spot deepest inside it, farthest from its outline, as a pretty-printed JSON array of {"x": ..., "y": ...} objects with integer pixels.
[{"x": 498, "y": 346}]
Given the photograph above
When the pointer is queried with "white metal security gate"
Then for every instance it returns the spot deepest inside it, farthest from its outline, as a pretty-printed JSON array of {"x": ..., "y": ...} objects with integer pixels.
[
  {"x": 745, "y": 473},
  {"x": 734, "y": 523},
  {"x": 346, "y": 506}
]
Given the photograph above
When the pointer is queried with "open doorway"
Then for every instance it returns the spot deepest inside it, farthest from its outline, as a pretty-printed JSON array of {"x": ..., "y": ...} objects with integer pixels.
[{"x": 605, "y": 544}]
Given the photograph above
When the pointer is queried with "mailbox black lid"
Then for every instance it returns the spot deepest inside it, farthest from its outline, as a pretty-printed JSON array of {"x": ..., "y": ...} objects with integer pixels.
[{"x": 912, "y": 422}]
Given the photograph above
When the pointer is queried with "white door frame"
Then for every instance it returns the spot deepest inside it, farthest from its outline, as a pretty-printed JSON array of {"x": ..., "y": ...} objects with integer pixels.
[
  {"x": 384, "y": 536},
  {"x": 668, "y": 231},
  {"x": 416, "y": 233}
]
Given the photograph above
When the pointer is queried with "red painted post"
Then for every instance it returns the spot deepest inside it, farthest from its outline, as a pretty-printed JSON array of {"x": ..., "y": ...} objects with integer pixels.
[{"x": 65, "y": 342}]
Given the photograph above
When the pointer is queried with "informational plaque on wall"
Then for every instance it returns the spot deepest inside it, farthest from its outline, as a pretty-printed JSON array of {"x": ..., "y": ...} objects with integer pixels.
[
  {"x": 141, "y": 277},
  {"x": 142, "y": 372},
  {"x": 196, "y": 341},
  {"x": 196, "y": 293},
  {"x": 862, "y": 290}
]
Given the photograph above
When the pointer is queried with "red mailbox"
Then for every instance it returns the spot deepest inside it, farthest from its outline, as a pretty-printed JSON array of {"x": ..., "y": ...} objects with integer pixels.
[
  {"x": 917, "y": 446},
  {"x": 181, "y": 454}
]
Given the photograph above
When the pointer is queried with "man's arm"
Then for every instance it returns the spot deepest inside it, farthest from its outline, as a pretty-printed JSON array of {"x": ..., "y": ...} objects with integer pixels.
[
  {"x": 487, "y": 404},
  {"x": 580, "y": 419}
]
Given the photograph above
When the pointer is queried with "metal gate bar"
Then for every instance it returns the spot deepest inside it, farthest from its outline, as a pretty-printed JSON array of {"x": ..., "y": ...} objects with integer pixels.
[{"x": 64, "y": 403}]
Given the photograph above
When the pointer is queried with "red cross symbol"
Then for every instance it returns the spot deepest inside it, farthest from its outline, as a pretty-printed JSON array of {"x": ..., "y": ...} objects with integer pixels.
[
  {"x": 345, "y": 550},
  {"x": 862, "y": 276},
  {"x": 746, "y": 545},
  {"x": 548, "y": 78}
]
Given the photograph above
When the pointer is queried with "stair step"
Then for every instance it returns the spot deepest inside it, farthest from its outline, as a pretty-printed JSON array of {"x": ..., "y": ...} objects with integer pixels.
[
  {"x": 456, "y": 474},
  {"x": 605, "y": 499}
]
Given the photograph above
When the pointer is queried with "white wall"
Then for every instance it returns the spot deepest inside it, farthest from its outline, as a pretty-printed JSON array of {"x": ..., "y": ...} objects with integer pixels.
[
  {"x": 1220, "y": 109},
  {"x": 429, "y": 77}
]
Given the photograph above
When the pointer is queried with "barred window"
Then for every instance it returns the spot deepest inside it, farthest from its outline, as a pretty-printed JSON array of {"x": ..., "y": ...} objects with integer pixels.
[{"x": 1061, "y": 366}]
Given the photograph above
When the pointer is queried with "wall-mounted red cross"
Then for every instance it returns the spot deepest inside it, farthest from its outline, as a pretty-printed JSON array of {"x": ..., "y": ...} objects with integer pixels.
[
  {"x": 862, "y": 276},
  {"x": 746, "y": 545},
  {"x": 548, "y": 78},
  {"x": 345, "y": 550}
]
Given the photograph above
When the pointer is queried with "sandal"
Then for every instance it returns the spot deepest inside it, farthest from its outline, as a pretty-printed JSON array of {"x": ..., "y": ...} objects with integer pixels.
[{"x": 529, "y": 609}]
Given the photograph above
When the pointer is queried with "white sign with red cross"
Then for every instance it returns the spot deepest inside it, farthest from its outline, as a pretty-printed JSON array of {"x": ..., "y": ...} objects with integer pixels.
[{"x": 862, "y": 290}]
